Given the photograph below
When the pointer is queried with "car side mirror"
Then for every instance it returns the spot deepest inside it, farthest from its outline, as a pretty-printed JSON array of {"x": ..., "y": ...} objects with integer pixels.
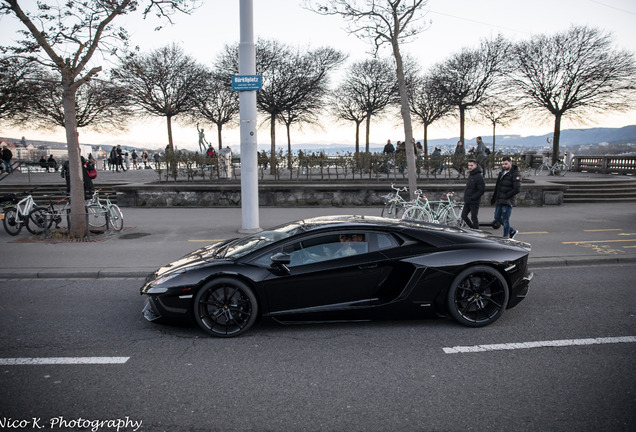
[{"x": 281, "y": 260}]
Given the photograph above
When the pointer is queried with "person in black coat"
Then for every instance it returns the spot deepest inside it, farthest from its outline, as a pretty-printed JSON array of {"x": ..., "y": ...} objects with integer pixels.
[
  {"x": 475, "y": 188},
  {"x": 507, "y": 187},
  {"x": 88, "y": 183}
]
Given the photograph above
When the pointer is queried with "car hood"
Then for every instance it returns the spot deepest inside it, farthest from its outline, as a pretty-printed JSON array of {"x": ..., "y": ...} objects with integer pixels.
[{"x": 193, "y": 259}]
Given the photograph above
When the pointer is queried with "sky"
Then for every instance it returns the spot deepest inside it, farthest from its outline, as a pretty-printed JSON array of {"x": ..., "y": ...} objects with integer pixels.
[{"x": 452, "y": 25}]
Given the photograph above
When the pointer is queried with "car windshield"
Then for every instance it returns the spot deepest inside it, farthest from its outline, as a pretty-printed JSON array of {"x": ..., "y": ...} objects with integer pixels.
[{"x": 245, "y": 245}]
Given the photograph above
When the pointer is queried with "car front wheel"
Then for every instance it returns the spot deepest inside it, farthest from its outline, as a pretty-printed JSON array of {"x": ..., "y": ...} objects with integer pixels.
[
  {"x": 478, "y": 296},
  {"x": 225, "y": 307}
]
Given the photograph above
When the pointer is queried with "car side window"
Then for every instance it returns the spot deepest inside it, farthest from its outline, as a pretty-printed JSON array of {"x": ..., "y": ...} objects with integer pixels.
[
  {"x": 324, "y": 248},
  {"x": 386, "y": 241}
]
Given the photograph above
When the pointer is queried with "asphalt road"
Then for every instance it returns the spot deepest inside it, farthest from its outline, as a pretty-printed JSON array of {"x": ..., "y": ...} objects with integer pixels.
[
  {"x": 560, "y": 235},
  {"x": 380, "y": 376}
]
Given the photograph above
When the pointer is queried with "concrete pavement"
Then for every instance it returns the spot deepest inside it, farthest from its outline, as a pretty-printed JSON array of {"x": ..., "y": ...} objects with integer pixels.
[{"x": 580, "y": 234}]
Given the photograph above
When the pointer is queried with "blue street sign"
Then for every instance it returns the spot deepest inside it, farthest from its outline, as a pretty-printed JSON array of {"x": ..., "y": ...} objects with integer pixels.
[{"x": 247, "y": 82}]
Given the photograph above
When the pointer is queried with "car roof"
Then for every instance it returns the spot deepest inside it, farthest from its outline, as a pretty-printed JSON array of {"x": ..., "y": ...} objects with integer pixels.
[{"x": 344, "y": 221}]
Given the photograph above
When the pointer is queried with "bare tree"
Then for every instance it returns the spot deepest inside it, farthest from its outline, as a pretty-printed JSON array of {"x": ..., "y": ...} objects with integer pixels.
[
  {"x": 468, "y": 76},
  {"x": 498, "y": 112},
  {"x": 344, "y": 105},
  {"x": 100, "y": 105},
  {"x": 294, "y": 83},
  {"x": 165, "y": 82},
  {"x": 383, "y": 22},
  {"x": 375, "y": 87},
  {"x": 16, "y": 88},
  {"x": 308, "y": 85},
  {"x": 575, "y": 73},
  {"x": 427, "y": 104},
  {"x": 64, "y": 37},
  {"x": 218, "y": 104}
]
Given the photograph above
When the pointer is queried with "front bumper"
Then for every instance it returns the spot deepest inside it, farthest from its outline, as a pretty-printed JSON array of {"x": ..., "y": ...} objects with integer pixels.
[
  {"x": 150, "y": 311},
  {"x": 520, "y": 290}
]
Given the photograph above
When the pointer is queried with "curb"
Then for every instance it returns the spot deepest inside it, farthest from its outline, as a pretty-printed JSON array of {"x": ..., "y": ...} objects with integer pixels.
[{"x": 579, "y": 260}]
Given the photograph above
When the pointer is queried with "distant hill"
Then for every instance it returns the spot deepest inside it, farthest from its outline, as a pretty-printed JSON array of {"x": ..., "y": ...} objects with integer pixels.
[{"x": 569, "y": 137}]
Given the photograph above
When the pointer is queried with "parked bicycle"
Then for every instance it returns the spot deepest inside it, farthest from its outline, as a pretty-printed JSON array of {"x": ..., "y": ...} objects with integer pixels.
[
  {"x": 103, "y": 212},
  {"x": 420, "y": 209},
  {"x": 446, "y": 211},
  {"x": 16, "y": 217},
  {"x": 394, "y": 204},
  {"x": 451, "y": 211},
  {"x": 43, "y": 218},
  {"x": 558, "y": 168}
]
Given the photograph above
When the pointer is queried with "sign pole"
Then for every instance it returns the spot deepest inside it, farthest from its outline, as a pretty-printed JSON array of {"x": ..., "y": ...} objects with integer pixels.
[{"x": 247, "y": 108}]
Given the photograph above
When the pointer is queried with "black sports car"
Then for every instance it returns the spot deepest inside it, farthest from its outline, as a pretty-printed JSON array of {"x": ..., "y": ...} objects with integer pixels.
[{"x": 342, "y": 268}]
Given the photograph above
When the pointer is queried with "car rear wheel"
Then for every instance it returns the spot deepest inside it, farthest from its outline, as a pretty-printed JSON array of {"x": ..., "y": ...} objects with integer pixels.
[
  {"x": 478, "y": 296},
  {"x": 225, "y": 307}
]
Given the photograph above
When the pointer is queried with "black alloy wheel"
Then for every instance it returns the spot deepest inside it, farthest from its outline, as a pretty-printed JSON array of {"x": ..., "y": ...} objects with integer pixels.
[
  {"x": 225, "y": 307},
  {"x": 478, "y": 296}
]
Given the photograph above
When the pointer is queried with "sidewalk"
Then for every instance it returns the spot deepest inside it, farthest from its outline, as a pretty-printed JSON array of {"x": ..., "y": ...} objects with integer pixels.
[{"x": 581, "y": 234}]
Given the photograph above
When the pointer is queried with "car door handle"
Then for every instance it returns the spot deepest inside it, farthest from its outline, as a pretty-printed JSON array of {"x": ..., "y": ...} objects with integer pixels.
[{"x": 367, "y": 266}]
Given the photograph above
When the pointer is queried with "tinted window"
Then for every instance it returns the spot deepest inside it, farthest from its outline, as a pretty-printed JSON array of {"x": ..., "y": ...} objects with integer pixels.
[
  {"x": 386, "y": 241},
  {"x": 326, "y": 248}
]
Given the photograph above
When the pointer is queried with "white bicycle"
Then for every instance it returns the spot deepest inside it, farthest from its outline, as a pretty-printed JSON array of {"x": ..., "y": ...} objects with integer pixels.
[{"x": 15, "y": 217}]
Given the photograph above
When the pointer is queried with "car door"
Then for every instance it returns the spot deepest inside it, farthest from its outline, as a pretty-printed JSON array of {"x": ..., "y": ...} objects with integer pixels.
[{"x": 325, "y": 274}]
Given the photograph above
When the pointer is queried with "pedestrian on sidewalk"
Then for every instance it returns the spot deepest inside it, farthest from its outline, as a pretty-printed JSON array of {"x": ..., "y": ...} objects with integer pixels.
[
  {"x": 475, "y": 188},
  {"x": 7, "y": 155},
  {"x": 507, "y": 187}
]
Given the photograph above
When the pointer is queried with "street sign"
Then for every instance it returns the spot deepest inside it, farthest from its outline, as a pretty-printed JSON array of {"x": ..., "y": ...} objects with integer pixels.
[{"x": 247, "y": 82}]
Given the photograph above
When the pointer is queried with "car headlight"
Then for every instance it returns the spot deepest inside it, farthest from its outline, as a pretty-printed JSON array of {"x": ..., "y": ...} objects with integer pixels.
[{"x": 154, "y": 289}]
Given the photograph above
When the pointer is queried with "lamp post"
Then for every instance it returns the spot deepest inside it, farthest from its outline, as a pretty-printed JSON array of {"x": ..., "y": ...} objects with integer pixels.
[{"x": 247, "y": 109}]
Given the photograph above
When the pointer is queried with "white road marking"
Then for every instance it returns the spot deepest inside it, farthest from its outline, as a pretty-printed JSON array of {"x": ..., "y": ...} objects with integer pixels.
[
  {"x": 538, "y": 344},
  {"x": 62, "y": 360}
]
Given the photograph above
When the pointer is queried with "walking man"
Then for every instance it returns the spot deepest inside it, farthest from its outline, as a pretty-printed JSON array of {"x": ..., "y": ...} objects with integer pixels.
[
  {"x": 475, "y": 188},
  {"x": 7, "y": 155},
  {"x": 507, "y": 187}
]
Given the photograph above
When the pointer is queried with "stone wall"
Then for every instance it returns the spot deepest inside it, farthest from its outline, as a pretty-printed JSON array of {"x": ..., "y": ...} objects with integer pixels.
[{"x": 309, "y": 195}]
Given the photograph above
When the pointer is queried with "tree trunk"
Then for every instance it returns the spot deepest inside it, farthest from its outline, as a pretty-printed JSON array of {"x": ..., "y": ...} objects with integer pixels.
[
  {"x": 272, "y": 134},
  {"x": 368, "y": 134},
  {"x": 169, "y": 126},
  {"x": 289, "y": 152},
  {"x": 173, "y": 161},
  {"x": 556, "y": 137},
  {"x": 219, "y": 128},
  {"x": 462, "y": 118},
  {"x": 406, "y": 118},
  {"x": 425, "y": 140},
  {"x": 358, "y": 137},
  {"x": 78, "y": 209},
  {"x": 493, "y": 137}
]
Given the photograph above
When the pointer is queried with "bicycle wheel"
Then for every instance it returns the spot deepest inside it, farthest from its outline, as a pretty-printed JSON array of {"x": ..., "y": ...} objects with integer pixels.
[
  {"x": 96, "y": 215},
  {"x": 38, "y": 220},
  {"x": 416, "y": 213},
  {"x": 411, "y": 213},
  {"x": 391, "y": 210},
  {"x": 453, "y": 216},
  {"x": 561, "y": 168},
  {"x": 12, "y": 224},
  {"x": 538, "y": 170},
  {"x": 115, "y": 217}
]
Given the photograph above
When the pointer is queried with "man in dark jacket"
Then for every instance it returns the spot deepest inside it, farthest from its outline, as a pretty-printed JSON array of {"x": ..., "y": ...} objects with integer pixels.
[
  {"x": 475, "y": 188},
  {"x": 88, "y": 183},
  {"x": 7, "y": 155},
  {"x": 507, "y": 187}
]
